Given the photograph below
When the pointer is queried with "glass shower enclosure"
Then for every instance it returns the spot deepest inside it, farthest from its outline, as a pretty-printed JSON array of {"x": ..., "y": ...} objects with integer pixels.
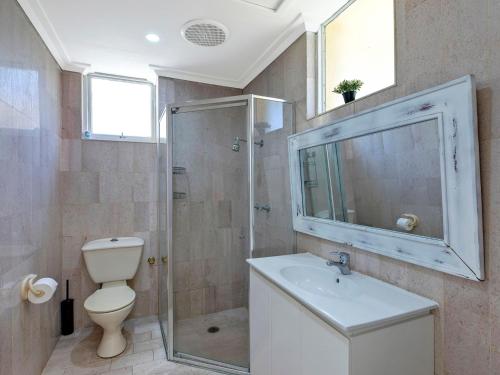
[{"x": 224, "y": 198}]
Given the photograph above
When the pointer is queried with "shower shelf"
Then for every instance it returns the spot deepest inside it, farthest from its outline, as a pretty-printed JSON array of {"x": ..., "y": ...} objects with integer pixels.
[
  {"x": 179, "y": 195},
  {"x": 178, "y": 170}
]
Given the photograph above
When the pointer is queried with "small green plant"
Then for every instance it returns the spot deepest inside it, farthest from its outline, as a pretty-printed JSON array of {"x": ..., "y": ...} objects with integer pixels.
[{"x": 348, "y": 85}]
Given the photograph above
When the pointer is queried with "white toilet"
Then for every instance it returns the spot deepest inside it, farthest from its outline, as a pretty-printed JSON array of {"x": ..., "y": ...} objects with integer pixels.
[{"x": 112, "y": 261}]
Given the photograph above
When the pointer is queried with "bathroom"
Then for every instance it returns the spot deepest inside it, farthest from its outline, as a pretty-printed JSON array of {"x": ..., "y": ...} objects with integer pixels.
[{"x": 213, "y": 185}]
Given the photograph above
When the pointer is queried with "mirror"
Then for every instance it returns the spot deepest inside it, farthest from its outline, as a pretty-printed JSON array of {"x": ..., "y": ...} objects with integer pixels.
[
  {"x": 377, "y": 179},
  {"x": 401, "y": 180}
]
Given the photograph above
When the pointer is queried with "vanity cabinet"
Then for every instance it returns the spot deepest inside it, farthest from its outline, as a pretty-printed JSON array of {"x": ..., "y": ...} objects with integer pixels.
[{"x": 287, "y": 338}]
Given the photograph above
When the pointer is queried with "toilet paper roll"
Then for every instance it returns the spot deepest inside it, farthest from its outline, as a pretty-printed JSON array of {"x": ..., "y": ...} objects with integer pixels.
[
  {"x": 47, "y": 285},
  {"x": 405, "y": 224}
]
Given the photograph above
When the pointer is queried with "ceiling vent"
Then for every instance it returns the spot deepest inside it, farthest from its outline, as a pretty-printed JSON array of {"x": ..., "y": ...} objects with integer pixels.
[{"x": 205, "y": 33}]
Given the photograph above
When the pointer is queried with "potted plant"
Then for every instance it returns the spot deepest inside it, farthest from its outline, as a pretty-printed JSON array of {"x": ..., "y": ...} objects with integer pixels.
[{"x": 348, "y": 89}]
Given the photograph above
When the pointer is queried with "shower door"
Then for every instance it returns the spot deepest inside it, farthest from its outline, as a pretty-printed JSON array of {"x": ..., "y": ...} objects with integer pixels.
[{"x": 210, "y": 239}]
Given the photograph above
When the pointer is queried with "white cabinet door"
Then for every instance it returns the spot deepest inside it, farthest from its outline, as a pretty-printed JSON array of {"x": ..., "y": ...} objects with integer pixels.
[
  {"x": 324, "y": 350},
  {"x": 287, "y": 339},
  {"x": 285, "y": 334},
  {"x": 405, "y": 348},
  {"x": 260, "y": 326}
]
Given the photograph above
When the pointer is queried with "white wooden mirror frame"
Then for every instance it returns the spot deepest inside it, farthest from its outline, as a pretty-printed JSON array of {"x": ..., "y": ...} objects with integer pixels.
[{"x": 453, "y": 105}]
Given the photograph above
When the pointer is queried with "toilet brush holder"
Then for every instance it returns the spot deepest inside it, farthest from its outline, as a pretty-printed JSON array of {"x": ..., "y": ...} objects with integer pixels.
[{"x": 67, "y": 320}]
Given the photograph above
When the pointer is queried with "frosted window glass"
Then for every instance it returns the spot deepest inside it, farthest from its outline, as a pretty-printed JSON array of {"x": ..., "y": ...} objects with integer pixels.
[{"x": 121, "y": 108}]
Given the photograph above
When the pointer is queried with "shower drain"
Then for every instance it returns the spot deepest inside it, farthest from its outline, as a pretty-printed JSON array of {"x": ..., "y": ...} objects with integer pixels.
[{"x": 213, "y": 329}]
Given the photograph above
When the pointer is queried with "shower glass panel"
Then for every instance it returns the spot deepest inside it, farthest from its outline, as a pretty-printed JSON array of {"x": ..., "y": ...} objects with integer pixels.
[
  {"x": 216, "y": 158},
  {"x": 162, "y": 221},
  {"x": 210, "y": 227},
  {"x": 273, "y": 230}
]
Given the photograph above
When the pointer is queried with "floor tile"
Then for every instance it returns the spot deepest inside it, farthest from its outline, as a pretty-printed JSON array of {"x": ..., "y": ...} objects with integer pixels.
[
  {"x": 148, "y": 345},
  {"x": 132, "y": 359},
  {"x": 76, "y": 354}
]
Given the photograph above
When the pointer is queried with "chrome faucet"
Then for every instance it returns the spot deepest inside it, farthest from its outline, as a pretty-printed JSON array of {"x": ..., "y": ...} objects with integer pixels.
[
  {"x": 264, "y": 207},
  {"x": 343, "y": 263}
]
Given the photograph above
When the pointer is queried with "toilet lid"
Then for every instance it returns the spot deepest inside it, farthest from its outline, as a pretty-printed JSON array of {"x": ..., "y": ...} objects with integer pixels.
[{"x": 109, "y": 299}]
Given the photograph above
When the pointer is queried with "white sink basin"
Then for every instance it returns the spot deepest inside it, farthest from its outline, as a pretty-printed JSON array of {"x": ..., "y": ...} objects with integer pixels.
[
  {"x": 327, "y": 283},
  {"x": 351, "y": 303}
]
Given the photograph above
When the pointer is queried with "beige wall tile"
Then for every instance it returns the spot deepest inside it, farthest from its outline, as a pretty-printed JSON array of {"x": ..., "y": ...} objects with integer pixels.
[
  {"x": 80, "y": 187},
  {"x": 99, "y": 156},
  {"x": 71, "y": 155},
  {"x": 71, "y": 127},
  {"x": 115, "y": 187}
]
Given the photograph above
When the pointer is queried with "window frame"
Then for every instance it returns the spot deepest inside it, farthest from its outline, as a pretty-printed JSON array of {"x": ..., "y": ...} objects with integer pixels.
[
  {"x": 87, "y": 133},
  {"x": 321, "y": 64}
]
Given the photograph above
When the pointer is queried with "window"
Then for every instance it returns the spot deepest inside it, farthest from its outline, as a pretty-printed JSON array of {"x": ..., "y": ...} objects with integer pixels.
[
  {"x": 357, "y": 43},
  {"x": 119, "y": 108}
]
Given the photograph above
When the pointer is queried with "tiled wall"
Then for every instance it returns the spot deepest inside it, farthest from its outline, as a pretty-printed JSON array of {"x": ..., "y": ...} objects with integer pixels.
[
  {"x": 210, "y": 225},
  {"x": 436, "y": 41},
  {"x": 195, "y": 270},
  {"x": 110, "y": 189},
  {"x": 30, "y": 235},
  {"x": 177, "y": 91}
]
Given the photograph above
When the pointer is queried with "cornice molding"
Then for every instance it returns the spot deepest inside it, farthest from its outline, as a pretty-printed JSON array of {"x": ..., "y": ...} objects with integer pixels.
[
  {"x": 36, "y": 14},
  {"x": 294, "y": 30},
  {"x": 164, "y": 71}
]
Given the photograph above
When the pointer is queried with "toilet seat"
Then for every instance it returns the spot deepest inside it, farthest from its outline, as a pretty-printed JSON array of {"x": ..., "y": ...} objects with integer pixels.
[{"x": 110, "y": 299}]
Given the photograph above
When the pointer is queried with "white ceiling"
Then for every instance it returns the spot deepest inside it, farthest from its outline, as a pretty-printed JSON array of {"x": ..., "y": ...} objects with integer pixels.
[{"x": 108, "y": 35}]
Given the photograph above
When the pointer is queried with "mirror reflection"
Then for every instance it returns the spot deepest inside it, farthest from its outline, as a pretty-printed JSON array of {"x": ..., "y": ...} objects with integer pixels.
[{"x": 388, "y": 180}]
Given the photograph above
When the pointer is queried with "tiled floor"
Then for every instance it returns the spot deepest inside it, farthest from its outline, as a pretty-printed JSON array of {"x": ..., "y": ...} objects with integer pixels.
[
  {"x": 228, "y": 345},
  {"x": 76, "y": 354}
]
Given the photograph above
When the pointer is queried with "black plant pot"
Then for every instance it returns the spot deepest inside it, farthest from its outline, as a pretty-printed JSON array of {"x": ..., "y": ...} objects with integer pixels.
[{"x": 349, "y": 96}]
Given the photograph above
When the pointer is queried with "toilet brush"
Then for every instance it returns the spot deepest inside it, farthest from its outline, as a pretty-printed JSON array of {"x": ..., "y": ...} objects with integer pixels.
[{"x": 67, "y": 323}]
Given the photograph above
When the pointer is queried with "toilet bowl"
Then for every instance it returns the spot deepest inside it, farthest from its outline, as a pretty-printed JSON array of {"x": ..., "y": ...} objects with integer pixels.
[
  {"x": 108, "y": 307},
  {"x": 112, "y": 261}
]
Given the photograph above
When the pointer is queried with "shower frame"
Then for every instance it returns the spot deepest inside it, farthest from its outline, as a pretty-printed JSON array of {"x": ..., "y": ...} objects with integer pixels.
[{"x": 247, "y": 100}]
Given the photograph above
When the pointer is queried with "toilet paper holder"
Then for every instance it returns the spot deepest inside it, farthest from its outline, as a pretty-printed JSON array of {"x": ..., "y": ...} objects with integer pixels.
[
  {"x": 408, "y": 222},
  {"x": 27, "y": 286}
]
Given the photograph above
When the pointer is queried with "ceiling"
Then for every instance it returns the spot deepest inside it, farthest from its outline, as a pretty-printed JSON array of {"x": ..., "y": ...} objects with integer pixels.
[{"x": 109, "y": 35}]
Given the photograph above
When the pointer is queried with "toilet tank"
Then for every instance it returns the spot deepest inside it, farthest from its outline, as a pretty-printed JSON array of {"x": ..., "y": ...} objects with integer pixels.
[{"x": 113, "y": 259}]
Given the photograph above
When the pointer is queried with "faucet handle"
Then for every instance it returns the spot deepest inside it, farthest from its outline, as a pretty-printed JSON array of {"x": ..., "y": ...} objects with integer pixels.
[{"x": 343, "y": 257}]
